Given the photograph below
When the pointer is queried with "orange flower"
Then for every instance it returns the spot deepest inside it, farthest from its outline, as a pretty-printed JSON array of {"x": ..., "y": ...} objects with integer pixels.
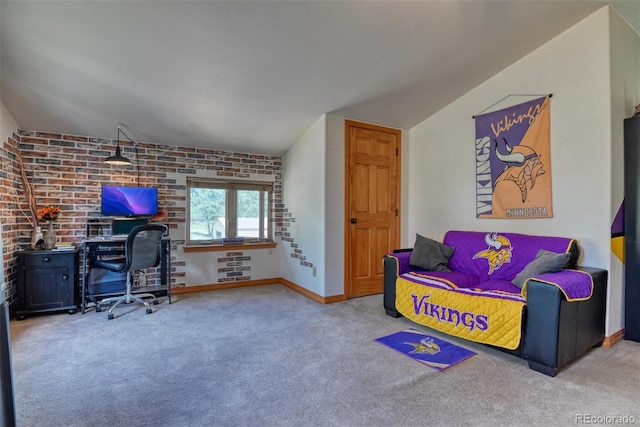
[{"x": 50, "y": 213}]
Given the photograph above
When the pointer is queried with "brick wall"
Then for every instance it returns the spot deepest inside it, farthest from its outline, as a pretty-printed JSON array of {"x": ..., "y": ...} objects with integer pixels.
[
  {"x": 9, "y": 213},
  {"x": 68, "y": 171}
]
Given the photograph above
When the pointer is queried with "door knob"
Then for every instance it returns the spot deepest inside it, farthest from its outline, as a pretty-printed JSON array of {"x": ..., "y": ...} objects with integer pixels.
[{"x": 353, "y": 220}]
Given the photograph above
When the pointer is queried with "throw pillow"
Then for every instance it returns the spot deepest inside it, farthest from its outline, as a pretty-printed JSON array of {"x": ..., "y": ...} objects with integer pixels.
[
  {"x": 430, "y": 254},
  {"x": 545, "y": 262}
]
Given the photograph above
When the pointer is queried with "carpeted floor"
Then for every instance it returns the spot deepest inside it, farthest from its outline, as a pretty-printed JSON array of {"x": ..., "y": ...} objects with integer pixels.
[{"x": 267, "y": 356}]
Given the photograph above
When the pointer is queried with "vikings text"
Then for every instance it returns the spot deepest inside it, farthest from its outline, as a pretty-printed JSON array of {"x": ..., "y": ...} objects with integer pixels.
[
  {"x": 506, "y": 123},
  {"x": 484, "y": 187},
  {"x": 446, "y": 314}
]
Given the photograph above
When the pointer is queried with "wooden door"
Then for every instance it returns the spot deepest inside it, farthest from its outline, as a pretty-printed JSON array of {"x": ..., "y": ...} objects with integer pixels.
[{"x": 372, "y": 197}]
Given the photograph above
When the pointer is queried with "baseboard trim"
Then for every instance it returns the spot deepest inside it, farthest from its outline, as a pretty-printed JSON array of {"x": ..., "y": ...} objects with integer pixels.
[
  {"x": 277, "y": 280},
  {"x": 613, "y": 339},
  {"x": 309, "y": 294},
  {"x": 220, "y": 286}
]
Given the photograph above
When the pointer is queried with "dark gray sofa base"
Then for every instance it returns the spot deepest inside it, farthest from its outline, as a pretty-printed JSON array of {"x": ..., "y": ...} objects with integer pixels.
[{"x": 556, "y": 331}]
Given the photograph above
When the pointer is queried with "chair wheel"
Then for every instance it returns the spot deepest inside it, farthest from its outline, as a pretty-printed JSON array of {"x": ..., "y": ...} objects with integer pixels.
[
  {"x": 155, "y": 302},
  {"x": 98, "y": 309},
  {"x": 110, "y": 316},
  {"x": 149, "y": 311}
]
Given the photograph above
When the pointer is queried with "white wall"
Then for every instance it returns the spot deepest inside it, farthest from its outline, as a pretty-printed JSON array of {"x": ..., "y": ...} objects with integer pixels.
[
  {"x": 335, "y": 210},
  {"x": 625, "y": 95},
  {"x": 303, "y": 183},
  {"x": 7, "y": 124},
  {"x": 201, "y": 268},
  {"x": 574, "y": 67}
]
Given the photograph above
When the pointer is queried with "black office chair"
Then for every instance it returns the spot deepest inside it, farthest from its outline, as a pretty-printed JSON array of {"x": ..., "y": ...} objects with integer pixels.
[{"x": 142, "y": 250}]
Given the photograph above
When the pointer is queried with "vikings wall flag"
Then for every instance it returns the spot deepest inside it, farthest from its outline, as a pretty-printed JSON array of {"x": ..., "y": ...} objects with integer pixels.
[{"x": 513, "y": 162}]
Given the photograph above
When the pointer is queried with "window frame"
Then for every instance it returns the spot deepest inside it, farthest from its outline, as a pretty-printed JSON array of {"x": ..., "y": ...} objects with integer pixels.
[{"x": 231, "y": 218}]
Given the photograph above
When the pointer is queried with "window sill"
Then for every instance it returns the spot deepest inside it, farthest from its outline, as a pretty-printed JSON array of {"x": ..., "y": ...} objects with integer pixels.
[{"x": 242, "y": 246}]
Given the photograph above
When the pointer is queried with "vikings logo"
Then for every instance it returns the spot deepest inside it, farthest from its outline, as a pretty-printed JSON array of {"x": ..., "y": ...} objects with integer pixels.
[
  {"x": 498, "y": 253},
  {"x": 425, "y": 346},
  {"x": 523, "y": 167}
]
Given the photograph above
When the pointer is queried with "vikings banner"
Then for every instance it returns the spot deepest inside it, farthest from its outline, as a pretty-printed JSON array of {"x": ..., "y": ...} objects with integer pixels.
[{"x": 513, "y": 162}]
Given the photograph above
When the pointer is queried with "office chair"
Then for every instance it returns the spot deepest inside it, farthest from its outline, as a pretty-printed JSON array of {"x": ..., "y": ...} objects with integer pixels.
[{"x": 142, "y": 250}]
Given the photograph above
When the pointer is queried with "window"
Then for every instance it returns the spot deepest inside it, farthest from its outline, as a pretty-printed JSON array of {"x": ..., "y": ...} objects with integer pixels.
[{"x": 222, "y": 210}]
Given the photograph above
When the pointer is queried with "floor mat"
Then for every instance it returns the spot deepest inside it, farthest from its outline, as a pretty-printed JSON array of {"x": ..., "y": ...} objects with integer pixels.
[{"x": 427, "y": 349}]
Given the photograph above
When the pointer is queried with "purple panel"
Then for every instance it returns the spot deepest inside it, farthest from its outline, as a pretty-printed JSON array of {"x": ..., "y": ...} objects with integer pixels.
[
  {"x": 458, "y": 278},
  {"x": 576, "y": 285},
  {"x": 403, "y": 261},
  {"x": 499, "y": 285},
  {"x": 617, "y": 228},
  {"x": 498, "y": 255}
]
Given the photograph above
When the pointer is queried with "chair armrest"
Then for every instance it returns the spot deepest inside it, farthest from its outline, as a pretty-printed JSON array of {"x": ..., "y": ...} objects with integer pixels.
[
  {"x": 403, "y": 256},
  {"x": 393, "y": 264},
  {"x": 558, "y": 331}
]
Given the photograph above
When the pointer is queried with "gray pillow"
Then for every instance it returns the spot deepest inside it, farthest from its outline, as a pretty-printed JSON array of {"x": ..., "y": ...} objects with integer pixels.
[
  {"x": 545, "y": 262},
  {"x": 430, "y": 254}
]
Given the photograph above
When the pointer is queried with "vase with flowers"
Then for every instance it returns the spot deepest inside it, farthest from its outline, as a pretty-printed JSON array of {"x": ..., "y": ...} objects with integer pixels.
[{"x": 49, "y": 214}]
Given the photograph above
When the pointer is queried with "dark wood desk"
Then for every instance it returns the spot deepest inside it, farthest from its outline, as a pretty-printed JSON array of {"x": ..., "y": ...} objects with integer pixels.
[{"x": 95, "y": 247}]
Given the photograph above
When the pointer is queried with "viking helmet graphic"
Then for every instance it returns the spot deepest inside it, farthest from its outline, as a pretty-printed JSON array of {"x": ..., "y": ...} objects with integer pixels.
[
  {"x": 497, "y": 253},
  {"x": 516, "y": 156}
]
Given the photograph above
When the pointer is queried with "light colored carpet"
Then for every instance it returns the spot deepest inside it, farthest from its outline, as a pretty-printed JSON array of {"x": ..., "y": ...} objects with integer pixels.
[{"x": 267, "y": 356}]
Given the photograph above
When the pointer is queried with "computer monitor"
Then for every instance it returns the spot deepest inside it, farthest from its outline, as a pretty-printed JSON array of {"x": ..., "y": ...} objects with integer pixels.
[
  {"x": 129, "y": 201},
  {"x": 124, "y": 226}
]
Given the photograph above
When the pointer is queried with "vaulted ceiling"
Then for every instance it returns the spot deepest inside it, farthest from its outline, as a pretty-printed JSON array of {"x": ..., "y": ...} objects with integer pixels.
[{"x": 252, "y": 76}]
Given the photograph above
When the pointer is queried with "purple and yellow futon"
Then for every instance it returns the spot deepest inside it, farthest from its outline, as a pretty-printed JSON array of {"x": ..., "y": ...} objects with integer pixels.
[{"x": 521, "y": 293}]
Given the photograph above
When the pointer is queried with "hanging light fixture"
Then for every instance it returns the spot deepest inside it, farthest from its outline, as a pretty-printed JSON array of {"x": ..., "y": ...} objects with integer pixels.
[{"x": 118, "y": 158}]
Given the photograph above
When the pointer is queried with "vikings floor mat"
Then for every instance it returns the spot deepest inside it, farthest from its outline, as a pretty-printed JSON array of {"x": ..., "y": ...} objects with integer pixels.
[{"x": 427, "y": 349}]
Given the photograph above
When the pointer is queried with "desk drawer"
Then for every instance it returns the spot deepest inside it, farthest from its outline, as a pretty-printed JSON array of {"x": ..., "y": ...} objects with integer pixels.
[
  {"x": 106, "y": 249},
  {"x": 41, "y": 259}
]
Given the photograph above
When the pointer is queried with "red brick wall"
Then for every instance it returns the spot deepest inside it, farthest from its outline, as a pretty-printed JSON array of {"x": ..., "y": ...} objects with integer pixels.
[{"x": 68, "y": 171}]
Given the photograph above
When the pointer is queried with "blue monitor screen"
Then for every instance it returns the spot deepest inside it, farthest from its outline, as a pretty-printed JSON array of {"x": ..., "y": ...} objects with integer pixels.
[{"x": 129, "y": 201}]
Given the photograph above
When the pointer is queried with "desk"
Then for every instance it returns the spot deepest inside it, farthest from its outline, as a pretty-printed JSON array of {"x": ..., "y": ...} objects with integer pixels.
[{"x": 94, "y": 247}]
